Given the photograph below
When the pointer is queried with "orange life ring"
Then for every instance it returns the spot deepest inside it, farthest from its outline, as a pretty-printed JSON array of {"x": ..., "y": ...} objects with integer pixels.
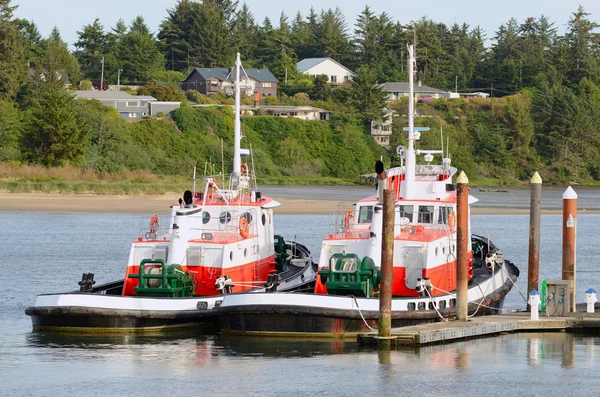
[
  {"x": 244, "y": 227},
  {"x": 244, "y": 168},
  {"x": 154, "y": 224},
  {"x": 348, "y": 219},
  {"x": 213, "y": 184},
  {"x": 451, "y": 220}
]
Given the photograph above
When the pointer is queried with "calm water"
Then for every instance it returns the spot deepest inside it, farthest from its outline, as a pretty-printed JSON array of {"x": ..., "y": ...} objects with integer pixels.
[{"x": 47, "y": 252}]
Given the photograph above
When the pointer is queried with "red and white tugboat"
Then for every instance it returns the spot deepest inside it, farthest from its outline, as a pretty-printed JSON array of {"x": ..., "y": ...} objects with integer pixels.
[
  {"x": 217, "y": 240},
  {"x": 345, "y": 300}
]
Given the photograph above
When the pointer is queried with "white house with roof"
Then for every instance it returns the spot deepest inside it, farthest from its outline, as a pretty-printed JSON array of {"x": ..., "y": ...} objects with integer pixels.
[{"x": 335, "y": 71}]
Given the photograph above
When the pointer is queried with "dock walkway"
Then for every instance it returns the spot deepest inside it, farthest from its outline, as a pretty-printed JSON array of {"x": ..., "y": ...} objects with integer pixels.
[{"x": 484, "y": 326}]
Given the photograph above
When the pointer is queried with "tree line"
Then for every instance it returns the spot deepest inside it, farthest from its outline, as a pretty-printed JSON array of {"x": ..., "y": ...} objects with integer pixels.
[{"x": 547, "y": 120}]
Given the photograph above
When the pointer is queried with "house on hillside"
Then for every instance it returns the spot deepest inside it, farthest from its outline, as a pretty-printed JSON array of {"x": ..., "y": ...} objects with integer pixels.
[
  {"x": 299, "y": 112},
  {"x": 60, "y": 74},
  {"x": 215, "y": 80},
  {"x": 398, "y": 90},
  {"x": 381, "y": 130},
  {"x": 335, "y": 71},
  {"x": 130, "y": 107}
]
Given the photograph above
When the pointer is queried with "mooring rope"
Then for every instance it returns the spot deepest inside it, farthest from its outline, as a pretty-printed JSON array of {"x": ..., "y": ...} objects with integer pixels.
[
  {"x": 361, "y": 315},
  {"x": 434, "y": 305}
]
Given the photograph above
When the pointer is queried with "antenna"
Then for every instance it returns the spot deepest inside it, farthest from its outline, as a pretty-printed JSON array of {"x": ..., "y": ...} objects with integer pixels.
[
  {"x": 194, "y": 184},
  {"x": 442, "y": 137},
  {"x": 222, "y": 162}
]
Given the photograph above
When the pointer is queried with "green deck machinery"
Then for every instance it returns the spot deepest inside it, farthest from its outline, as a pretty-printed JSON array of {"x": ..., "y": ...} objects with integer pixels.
[
  {"x": 350, "y": 275},
  {"x": 163, "y": 281}
]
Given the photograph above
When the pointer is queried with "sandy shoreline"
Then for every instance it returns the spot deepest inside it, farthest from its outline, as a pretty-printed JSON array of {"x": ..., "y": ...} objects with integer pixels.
[{"x": 15, "y": 202}]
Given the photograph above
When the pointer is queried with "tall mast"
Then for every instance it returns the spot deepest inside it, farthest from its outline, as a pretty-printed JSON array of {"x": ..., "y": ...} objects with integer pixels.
[
  {"x": 410, "y": 151},
  {"x": 237, "y": 135}
]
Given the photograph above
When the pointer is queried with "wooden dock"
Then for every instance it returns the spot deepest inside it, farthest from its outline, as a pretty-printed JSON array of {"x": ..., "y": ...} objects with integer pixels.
[{"x": 484, "y": 326}]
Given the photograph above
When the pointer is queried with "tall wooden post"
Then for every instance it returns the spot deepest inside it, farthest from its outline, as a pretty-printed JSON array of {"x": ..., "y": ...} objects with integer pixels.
[
  {"x": 462, "y": 247},
  {"x": 535, "y": 209},
  {"x": 569, "y": 240},
  {"x": 387, "y": 267}
]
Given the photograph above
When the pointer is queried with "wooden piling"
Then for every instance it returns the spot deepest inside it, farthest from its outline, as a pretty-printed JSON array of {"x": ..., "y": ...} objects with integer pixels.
[
  {"x": 534, "y": 234},
  {"x": 387, "y": 267},
  {"x": 462, "y": 247},
  {"x": 569, "y": 240}
]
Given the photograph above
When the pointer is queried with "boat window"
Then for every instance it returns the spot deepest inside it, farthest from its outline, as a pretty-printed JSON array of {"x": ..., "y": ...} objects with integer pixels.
[
  {"x": 431, "y": 305},
  {"x": 443, "y": 215},
  {"x": 365, "y": 214},
  {"x": 452, "y": 302},
  {"x": 411, "y": 306},
  {"x": 442, "y": 304},
  {"x": 205, "y": 217},
  {"x": 264, "y": 219},
  {"x": 425, "y": 214},
  {"x": 406, "y": 211},
  {"x": 225, "y": 217},
  {"x": 421, "y": 305},
  {"x": 248, "y": 217}
]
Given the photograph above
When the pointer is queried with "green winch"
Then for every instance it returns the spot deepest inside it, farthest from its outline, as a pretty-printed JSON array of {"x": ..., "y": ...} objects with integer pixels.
[
  {"x": 350, "y": 275},
  {"x": 164, "y": 281}
]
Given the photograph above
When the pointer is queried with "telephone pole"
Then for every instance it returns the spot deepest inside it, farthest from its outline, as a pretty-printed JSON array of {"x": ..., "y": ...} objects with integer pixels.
[{"x": 102, "y": 76}]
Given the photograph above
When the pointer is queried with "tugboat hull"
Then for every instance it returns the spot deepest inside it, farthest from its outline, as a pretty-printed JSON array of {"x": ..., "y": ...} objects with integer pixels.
[{"x": 324, "y": 315}]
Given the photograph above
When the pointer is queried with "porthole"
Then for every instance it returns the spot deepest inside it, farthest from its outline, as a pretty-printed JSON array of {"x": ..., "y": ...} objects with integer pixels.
[
  {"x": 421, "y": 305},
  {"x": 264, "y": 219},
  {"x": 453, "y": 247},
  {"x": 230, "y": 255},
  {"x": 442, "y": 304},
  {"x": 205, "y": 217},
  {"x": 443, "y": 250},
  {"x": 225, "y": 217},
  {"x": 245, "y": 252},
  {"x": 431, "y": 305},
  {"x": 411, "y": 306},
  {"x": 436, "y": 251},
  {"x": 248, "y": 217},
  {"x": 452, "y": 302}
]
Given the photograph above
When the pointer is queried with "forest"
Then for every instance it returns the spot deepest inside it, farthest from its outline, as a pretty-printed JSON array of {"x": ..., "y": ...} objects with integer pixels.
[{"x": 543, "y": 113}]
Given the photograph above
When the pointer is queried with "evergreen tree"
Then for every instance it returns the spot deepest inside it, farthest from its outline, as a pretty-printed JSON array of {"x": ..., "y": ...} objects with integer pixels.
[
  {"x": 13, "y": 66},
  {"x": 367, "y": 97},
  {"x": 245, "y": 35},
  {"x": 10, "y": 131},
  {"x": 175, "y": 34},
  {"x": 33, "y": 39},
  {"x": 57, "y": 57},
  {"x": 583, "y": 46},
  {"x": 91, "y": 49},
  {"x": 52, "y": 137},
  {"x": 138, "y": 53}
]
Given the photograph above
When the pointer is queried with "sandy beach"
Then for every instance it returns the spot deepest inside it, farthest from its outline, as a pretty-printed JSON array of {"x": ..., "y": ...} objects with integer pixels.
[{"x": 150, "y": 204}]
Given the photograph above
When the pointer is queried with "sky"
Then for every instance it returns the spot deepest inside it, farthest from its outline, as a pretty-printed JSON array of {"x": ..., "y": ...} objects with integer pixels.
[{"x": 71, "y": 15}]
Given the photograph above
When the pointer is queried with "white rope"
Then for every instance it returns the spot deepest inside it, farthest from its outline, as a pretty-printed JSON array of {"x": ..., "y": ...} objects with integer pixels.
[
  {"x": 435, "y": 306},
  {"x": 361, "y": 315}
]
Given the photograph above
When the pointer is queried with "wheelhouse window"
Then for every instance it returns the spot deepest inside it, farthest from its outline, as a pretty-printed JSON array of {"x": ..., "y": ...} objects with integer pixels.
[
  {"x": 425, "y": 214},
  {"x": 365, "y": 214},
  {"x": 406, "y": 211},
  {"x": 443, "y": 215}
]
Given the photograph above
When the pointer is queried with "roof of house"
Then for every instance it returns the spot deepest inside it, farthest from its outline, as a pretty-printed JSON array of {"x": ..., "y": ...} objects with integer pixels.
[
  {"x": 308, "y": 63},
  {"x": 105, "y": 95},
  {"x": 222, "y": 74},
  {"x": 404, "y": 87},
  {"x": 284, "y": 108},
  {"x": 145, "y": 97}
]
